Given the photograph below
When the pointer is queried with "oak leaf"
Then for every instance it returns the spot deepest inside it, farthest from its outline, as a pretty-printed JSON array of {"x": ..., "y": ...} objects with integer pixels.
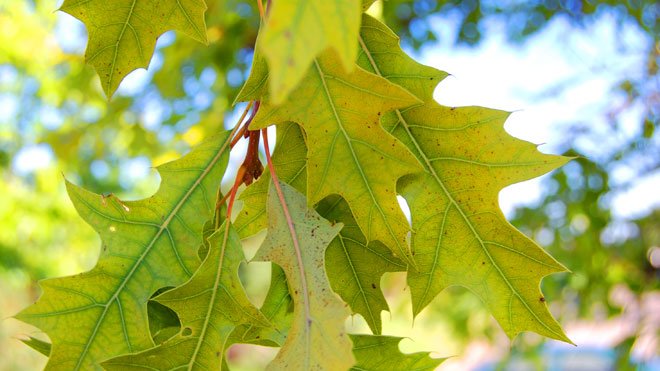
[
  {"x": 146, "y": 245},
  {"x": 460, "y": 235}
]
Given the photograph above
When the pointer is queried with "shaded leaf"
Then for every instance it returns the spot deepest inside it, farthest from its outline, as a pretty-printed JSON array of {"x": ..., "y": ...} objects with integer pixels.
[
  {"x": 147, "y": 245},
  {"x": 40, "y": 346},
  {"x": 277, "y": 308},
  {"x": 355, "y": 267},
  {"x": 460, "y": 235},
  {"x": 210, "y": 305},
  {"x": 296, "y": 31},
  {"x": 317, "y": 339},
  {"x": 123, "y": 33},
  {"x": 349, "y": 152},
  {"x": 381, "y": 353}
]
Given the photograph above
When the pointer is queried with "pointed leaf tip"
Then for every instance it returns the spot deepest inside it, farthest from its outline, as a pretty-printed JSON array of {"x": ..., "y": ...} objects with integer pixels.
[
  {"x": 123, "y": 33},
  {"x": 460, "y": 235},
  {"x": 317, "y": 338},
  {"x": 147, "y": 244}
]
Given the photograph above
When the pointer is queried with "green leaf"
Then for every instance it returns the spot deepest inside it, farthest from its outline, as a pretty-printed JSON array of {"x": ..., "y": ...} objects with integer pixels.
[
  {"x": 289, "y": 162},
  {"x": 40, "y": 346},
  {"x": 349, "y": 152},
  {"x": 296, "y": 31},
  {"x": 381, "y": 353},
  {"x": 460, "y": 235},
  {"x": 123, "y": 33},
  {"x": 317, "y": 339},
  {"x": 162, "y": 321},
  {"x": 210, "y": 305},
  {"x": 355, "y": 267},
  {"x": 277, "y": 308},
  {"x": 147, "y": 245}
]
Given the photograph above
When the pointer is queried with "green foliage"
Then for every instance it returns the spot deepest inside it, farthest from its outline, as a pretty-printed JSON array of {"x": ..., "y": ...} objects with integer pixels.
[
  {"x": 122, "y": 34},
  {"x": 461, "y": 236},
  {"x": 210, "y": 305},
  {"x": 147, "y": 245},
  {"x": 297, "y": 31},
  {"x": 341, "y": 122},
  {"x": 316, "y": 339},
  {"x": 357, "y": 125},
  {"x": 382, "y": 353}
]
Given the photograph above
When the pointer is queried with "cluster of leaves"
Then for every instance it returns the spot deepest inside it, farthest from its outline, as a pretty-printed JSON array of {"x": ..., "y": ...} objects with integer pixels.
[{"x": 357, "y": 126}]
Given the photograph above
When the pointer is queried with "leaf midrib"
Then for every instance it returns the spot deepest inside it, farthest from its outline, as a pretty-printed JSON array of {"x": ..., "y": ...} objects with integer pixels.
[
  {"x": 141, "y": 258},
  {"x": 355, "y": 160},
  {"x": 431, "y": 170}
]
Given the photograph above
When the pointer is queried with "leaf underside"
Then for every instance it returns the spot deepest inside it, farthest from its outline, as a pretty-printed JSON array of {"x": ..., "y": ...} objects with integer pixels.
[{"x": 146, "y": 245}]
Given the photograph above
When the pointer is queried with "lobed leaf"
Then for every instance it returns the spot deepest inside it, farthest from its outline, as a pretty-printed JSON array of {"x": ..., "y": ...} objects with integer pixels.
[
  {"x": 146, "y": 245},
  {"x": 123, "y": 33},
  {"x": 381, "y": 353},
  {"x": 349, "y": 153},
  {"x": 296, "y": 31},
  {"x": 277, "y": 308},
  {"x": 354, "y": 266},
  {"x": 460, "y": 235},
  {"x": 210, "y": 305},
  {"x": 316, "y": 339}
]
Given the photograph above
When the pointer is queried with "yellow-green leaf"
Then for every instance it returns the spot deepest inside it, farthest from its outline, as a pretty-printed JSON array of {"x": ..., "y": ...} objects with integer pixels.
[
  {"x": 349, "y": 152},
  {"x": 381, "y": 353},
  {"x": 146, "y": 245},
  {"x": 277, "y": 308},
  {"x": 354, "y": 266},
  {"x": 460, "y": 235},
  {"x": 296, "y": 31},
  {"x": 289, "y": 162},
  {"x": 210, "y": 305},
  {"x": 317, "y": 338},
  {"x": 123, "y": 33}
]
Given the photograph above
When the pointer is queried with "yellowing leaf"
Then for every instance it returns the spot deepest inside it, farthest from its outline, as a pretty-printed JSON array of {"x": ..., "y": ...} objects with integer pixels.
[
  {"x": 123, "y": 33},
  {"x": 381, "y": 353},
  {"x": 349, "y": 152},
  {"x": 289, "y": 162},
  {"x": 296, "y": 31},
  {"x": 460, "y": 235},
  {"x": 355, "y": 267},
  {"x": 210, "y": 305},
  {"x": 147, "y": 245},
  {"x": 317, "y": 339}
]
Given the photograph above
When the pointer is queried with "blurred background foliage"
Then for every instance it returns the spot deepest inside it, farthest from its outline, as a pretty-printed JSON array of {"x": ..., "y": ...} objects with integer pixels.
[{"x": 54, "y": 119}]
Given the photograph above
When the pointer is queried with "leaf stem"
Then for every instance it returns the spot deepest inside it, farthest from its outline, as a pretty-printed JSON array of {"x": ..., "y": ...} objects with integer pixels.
[
  {"x": 244, "y": 127},
  {"x": 292, "y": 229}
]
